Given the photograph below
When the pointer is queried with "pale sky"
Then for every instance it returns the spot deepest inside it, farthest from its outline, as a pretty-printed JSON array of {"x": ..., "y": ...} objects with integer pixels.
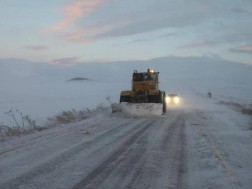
[{"x": 70, "y": 31}]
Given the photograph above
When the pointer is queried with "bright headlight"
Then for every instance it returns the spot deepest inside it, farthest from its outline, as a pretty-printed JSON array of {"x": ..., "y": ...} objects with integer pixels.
[
  {"x": 176, "y": 100},
  {"x": 167, "y": 99}
]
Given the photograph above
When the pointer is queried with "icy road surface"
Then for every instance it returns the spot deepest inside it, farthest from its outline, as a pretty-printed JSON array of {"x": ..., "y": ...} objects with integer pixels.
[{"x": 182, "y": 149}]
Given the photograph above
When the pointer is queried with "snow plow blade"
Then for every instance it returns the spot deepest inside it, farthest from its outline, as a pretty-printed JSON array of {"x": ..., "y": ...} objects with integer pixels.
[{"x": 138, "y": 108}]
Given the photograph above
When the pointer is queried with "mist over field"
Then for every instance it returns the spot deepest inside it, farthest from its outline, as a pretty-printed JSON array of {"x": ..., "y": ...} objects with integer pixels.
[{"x": 43, "y": 90}]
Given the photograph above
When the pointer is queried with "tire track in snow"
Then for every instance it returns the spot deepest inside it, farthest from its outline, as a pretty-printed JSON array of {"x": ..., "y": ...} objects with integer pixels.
[
  {"x": 107, "y": 165},
  {"x": 128, "y": 166},
  {"x": 222, "y": 162},
  {"x": 52, "y": 136},
  {"x": 125, "y": 163},
  {"x": 65, "y": 156},
  {"x": 209, "y": 140},
  {"x": 174, "y": 146},
  {"x": 145, "y": 175}
]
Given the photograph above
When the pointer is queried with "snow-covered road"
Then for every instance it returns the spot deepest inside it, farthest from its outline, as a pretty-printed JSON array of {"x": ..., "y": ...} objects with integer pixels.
[{"x": 182, "y": 149}]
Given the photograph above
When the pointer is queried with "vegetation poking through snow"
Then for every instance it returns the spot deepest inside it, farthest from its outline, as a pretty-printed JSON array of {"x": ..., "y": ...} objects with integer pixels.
[
  {"x": 68, "y": 117},
  {"x": 108, "y": 99},
  {"x": 245, "y": 109},
  {"x": 24, "y": 124},
  {"x": 28, "y": 125},
  {"x": 73, "y": 115}
]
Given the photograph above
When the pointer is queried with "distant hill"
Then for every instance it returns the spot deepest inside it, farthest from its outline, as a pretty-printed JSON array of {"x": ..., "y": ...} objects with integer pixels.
[{"x": 79, "y": 79}]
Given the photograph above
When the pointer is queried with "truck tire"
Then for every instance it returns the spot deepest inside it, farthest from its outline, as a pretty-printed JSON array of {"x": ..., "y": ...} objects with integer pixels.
[
  {"x": 164, "y": 103},
  {"x": 154, "y": 99},
  {"x": 125, "y": 99}
]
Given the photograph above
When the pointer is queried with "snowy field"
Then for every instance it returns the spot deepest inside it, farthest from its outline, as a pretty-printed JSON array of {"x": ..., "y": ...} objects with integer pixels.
[
  {"x": 43, "y": 90},
  {"x": 199, "y": 144}
]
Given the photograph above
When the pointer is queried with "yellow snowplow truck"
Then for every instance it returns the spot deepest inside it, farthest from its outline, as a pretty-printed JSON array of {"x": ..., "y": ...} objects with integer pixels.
[{"x": 144, "y": 89}]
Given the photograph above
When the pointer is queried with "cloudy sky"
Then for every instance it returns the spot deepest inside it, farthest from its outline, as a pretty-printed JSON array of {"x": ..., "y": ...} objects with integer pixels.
[{"x": 70, "y": 31}]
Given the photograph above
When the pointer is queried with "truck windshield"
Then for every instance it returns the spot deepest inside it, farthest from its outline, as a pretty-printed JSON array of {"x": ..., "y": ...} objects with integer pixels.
[
  {"x": 144, "y": 77},
  {"x": 138, "y": 77}
]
